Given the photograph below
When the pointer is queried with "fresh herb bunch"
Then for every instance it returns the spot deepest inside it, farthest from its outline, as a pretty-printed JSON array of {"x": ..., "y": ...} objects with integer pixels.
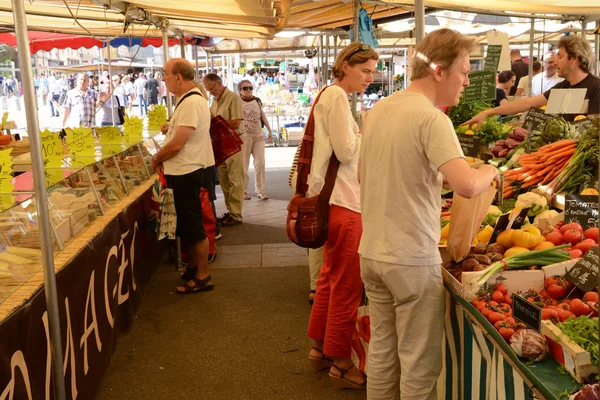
[
  {"x": 493, "y": 130},
  {"x": 583, "y": 330},
  {"x": 463, "y": 112}
]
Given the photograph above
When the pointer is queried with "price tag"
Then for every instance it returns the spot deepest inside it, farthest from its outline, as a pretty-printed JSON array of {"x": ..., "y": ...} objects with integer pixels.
[
  {"x": 109, "y": 135},
  {"x": 4, "y": 118},
  {"x": 569, "y": 362},
  {"x": 6, "y": 169},
  {"x": 505, "y": 223},
  {"x": 584, "y": 274},
  {"x": 133, "y": 128},
  {"x": 157, "y": 117},
  {"x": 526, "y": 312},
  {"x": 53, "y": 176},
  {"x": 52, "y": 149},
  {"x": 482, "y": 87},
  {"x": 81, "y": 142},
  {"x": 470, "y": 144},
  {"x": 537, "y": 118},
  {"x": 111, "y": 149},
  {"x": 581, "y": 209},
  {"x": 6, "y": 201}
]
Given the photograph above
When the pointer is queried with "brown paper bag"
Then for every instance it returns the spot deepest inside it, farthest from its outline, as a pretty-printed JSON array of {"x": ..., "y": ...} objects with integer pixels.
[{"x": 467, "y": 215}]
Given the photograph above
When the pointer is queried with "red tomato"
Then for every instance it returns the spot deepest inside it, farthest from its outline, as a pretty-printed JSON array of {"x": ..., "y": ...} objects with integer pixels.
[
  {"x": 593, "y": 307},
  {"x": 499, "y": 324},
  {"x": 486, "y": 311},
  {"x": 548, "y": 313},
  {"x": 591, "y": 233},
  {"x": 493, "y": 303},
  {"x": 579, "y": 308},
  {"x": 557, "y": 292},
  {"x": 508, "y": 299},
  {"x": 572, "y": 226},
  {"x": 555, "y": 237},
  {"x": 501, "y": 287},
  {"x": 497, "y": 296},
  {"x": 543, "y": 293},
  {"x": 510, "y": 321},
  {"x": 481, "y": 305},
  {"x": 585, "y": 245},
  {"x": 572, "y": 236},
  {"x": 564, "y": 315},
  {"x": 494, "y": 317},
  {"x": 506, "y": 333},
  {"x": 575, "y": 253},
  {"x": 555, "y": 279},
  {"x": 552, "y": 302},
  {"x": 591, "y": 296}
]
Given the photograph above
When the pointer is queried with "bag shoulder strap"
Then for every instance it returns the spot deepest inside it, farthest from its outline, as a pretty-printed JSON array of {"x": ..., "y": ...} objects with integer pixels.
[{"x": 188, "y": 94}]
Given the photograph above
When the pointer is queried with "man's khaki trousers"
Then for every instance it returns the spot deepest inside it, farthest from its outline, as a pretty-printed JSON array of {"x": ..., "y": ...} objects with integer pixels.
[{"x": 231, "y": 176}]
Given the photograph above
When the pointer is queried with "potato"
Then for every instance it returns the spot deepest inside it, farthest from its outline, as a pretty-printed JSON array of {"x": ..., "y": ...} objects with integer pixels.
[
  {"x": 481, "y": 248},
  {"x": 483, "y": 259},
  {"x": 495, "y": 256},
  {"x": 479, "y": 267},
  {"x": 496, "y": 248},
  {"x": 469, "y": 264}
]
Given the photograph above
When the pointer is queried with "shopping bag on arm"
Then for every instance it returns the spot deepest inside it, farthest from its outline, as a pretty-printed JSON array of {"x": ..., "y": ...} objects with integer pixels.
[
  {"x": 156, "y": 202},
  {"x": 208, "y": 221},
  {"x": 361, "y": 337},
  {"x": 306, "y": 223},
  {"x": 225, "y": 140}
]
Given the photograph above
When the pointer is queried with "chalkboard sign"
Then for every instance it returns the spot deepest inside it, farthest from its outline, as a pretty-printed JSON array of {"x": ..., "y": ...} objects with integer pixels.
[
  {"x": 582, "y": 209},
  {"x": 482, "y": 87},
  {"x": 584, "y": 274},
  {"x": 504, "y": 223},
  {"x": 492, "y": 58},
  {"x": 537, "y": 118},
  {"x": 526, "y": 312},
  {"x": 470, "y": 144}
]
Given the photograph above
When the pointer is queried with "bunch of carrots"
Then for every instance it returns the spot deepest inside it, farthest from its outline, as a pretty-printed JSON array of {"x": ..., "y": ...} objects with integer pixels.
[
  {"x": 445, "y": 215},
  {"x": 540, "y": 167}
]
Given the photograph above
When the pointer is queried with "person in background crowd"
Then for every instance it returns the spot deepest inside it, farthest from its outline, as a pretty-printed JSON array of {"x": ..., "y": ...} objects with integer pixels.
[
  {"x": 94, "y": 83},
  {"x": 9, "y": 86},
  {"x": 339, "y": 288},
  {"x": 184, "y": 157},
  {"x": 128, "y": 91},
  {"x": 43, "y": 88},
  {"x": 163, "y": 93},
  {"x": 258, "y": 80},
  {"x": 80, "y": 104},
  {"x": 36, "y": 83},
  {"x": 575, "y": 58},
  {"x": 151, "y": 89},
  {"x": 400, "y": 262},
  {"x": 231, "y": 173},
  {"x": 523, "y": 89},
  {"x": 64, "y": 84},
  {"x": 55, "y": 90},
  {"x": 139, "y": 86},
  {"x": 506, "y": 80},
  {"x": 254, "y": 145},
  {"x": 546, "y": 81},
  {"x": 519, "y": 67},
  {"x": 71, "y": 80},
  {"x": 107, "y": 103},
  {"x": 118, "y": 91}
]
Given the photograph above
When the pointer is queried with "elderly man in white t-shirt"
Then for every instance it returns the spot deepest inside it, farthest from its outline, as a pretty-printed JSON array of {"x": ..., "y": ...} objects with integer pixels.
[
  {"x": 545, "y": 81},
  {"x": 185, "y": 156},
  {"x": 408, "y": 149}
]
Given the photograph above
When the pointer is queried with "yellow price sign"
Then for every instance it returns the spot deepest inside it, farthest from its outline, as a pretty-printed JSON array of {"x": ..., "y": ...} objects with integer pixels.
[
  {"x": 157, "y": 117},
  {"x": 133, "y": 128},
  {"x": 6, "y": 201},
  {"x": 53, "y": 176},
  {"x": 111, "y": 149},
  {"x": 81, "y": 142},
  {"x": 109, "y": 135},
  {"x": 6, "y": 169},
  {"x": 52, "y": 149}
]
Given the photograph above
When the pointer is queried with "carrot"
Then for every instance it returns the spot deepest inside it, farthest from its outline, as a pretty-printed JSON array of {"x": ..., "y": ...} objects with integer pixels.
[
  {"x": 557, "y": 156},
  {"x": 446, "y": 218},
  {"x": 445, "y": 213},
  {"x": 559, "y": 144},
  {"x": 508, "y": 194},
  {"x": 531, "y": 182},
  {"x": 544, "y": 171}
]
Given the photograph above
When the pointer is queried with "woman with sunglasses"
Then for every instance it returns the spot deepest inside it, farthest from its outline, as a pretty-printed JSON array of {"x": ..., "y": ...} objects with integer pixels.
[
  {"x": 339, "y": 288},
  {"x": 254, "y": 144}
]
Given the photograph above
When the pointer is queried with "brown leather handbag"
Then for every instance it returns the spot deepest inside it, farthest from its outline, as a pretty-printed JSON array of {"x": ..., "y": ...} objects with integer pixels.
[{"x": 308, "y": 217}]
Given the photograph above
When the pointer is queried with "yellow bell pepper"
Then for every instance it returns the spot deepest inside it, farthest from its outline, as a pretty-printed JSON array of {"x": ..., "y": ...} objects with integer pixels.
[
  {"x": 445, "y": 230},
  {"x": 485, "y": 234}
]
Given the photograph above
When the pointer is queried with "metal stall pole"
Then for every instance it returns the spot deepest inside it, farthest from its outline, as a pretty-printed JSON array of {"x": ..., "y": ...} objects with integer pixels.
[
  {"x": 182, "y": 46},
  {"x": 327, "y": 55},
  {"x": 335, "y": 49},
  {"x": 207, "y": 62},
  {"x": 583, "y": 32},
  {"x": 321, "y": 72},
  {"x": 597, "y": 49},
  {"x": 196, "y": 59},
  {"x": 419, "y": 20},
  {"x": 37, "y": 166},
  {"x": 112, "y": 94},
  {"x": 531, "y": 39},
  {"x": 165, "y": 39},
  {"x": 355, "y": 10}
]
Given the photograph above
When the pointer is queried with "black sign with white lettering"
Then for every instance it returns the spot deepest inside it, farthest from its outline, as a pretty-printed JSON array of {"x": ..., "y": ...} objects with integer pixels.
[
  {"x": 526, "y": 312},
  {"x": 470, "y": 144},
  {"x": 503, "y": 224},
  {"x": 584, "y": 274},
  {"x": 581, "y": 209},
  {"x": 537, "y": 118},
  {"x": 492, "y": 58}
]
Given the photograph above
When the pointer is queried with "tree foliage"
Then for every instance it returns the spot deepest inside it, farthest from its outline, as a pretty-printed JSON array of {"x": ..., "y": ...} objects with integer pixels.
[{"x": 7, "y": 53}]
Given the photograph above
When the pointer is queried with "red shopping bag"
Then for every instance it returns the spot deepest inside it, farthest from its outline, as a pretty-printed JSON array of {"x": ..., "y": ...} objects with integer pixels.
[
  {"x": 361, "y": 339},
  {"x": 225, "y": 140},
  {"x": 208, "y": 221}
]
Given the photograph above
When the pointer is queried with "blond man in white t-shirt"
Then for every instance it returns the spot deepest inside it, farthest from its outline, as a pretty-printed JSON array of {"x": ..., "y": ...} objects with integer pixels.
[
  {"x": 184, "y": 157},
  {"x": 408, "y": 149}
]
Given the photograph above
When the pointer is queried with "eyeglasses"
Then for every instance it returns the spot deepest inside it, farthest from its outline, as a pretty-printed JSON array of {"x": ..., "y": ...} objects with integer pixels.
[
  {"x": 362, "y": 47},
  {"x": 246, "y": 87}
]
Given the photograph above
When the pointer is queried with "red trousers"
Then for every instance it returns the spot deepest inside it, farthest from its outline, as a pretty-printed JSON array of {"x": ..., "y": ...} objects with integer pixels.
[{"x": 339, "y": 289}]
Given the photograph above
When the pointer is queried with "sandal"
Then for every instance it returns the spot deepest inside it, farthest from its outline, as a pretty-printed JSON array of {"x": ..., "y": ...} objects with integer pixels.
[
  {"x": 189, "y": 273},
  {"x": 262, "y": 196},
  {"x": 339, "y": 382},
  {"x": 201, "y": 285},
  {"x": 247, "y": 196},
  {"x": 320, "y": 363}
]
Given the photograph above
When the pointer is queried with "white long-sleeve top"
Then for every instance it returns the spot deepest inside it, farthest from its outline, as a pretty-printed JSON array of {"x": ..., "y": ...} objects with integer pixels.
[{"x": 336, "y": 130}]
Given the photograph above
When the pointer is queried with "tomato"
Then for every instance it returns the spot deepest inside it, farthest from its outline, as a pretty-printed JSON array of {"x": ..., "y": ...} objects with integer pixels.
[
  {"x": 481, "y": 305},
  {"x": 497, "y": 296},
  {"x": 557, "y": 291},
  {"x": 552, "y": 302},
  {"x": 486, "y": 311},
  {"x": 572, "y": 236},
  {"x": 591, "y": 233},
  {"x": 508, "y": 299},
  {"x": 575, "y": 253},
  {"x": 501, "y": 287},
  {"x": 494, "y": 317},
  {"x": 506, "y": 333},
  {"x": 556, "y": 238},
  {"x": 543, "y": 293},
  {"x": 579, "y": 308},
  {"x": 593, "y": 307},
  {"x": 591, "y": 296},
  {"x": 564, "y": 315},
  {"x": 553, "y": 280},
  {"x": 510, "y": 321},
  {"x": 585, "y": 245},
  {"x": 548, "y": 313},
  {"x": 572, "y": 226}
]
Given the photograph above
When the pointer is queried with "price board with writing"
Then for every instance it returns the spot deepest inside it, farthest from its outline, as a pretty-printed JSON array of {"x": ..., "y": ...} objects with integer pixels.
[
  {"x": 133, "y": 128},
  {"x": 537, "y": 118},
  {"x": 526, "y": 312},
  {"x": 53, "y": 176},
  {"x": 81, "y": 142},
  {"x": 584, "y": 274},
  {"x": 52, "y": 149},
  {"x": 470, "y": 144},
  {"x": 504, "y": 223},
  {"x": 582, "y": 209},
  {"x": 492, "y": 58},
  {"x": 109, "y": 135},
  {"x": 482, "y": 86},
  {"x": 6, "y": 169},
  {"x": 6, "y": 201},
  {"x": 157, "y": 117}
]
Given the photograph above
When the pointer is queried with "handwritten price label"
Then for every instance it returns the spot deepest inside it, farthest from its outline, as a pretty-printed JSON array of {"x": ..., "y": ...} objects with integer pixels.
[
  {"x": 133, "y": 128},
  {"x": 109, "y": 135},
  {"x": 81, "y": 142},
  {"x": 6, "y": 169},
  {"x": 52, "y": 149},
  {"x": 53, "y": 176},
  {"x": 6, "y": 201},
  {"x": 157, "y": 117}
]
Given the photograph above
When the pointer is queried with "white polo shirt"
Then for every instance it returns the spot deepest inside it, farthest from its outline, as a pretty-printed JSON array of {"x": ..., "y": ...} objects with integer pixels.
[{"x": 197, "y": 153}]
